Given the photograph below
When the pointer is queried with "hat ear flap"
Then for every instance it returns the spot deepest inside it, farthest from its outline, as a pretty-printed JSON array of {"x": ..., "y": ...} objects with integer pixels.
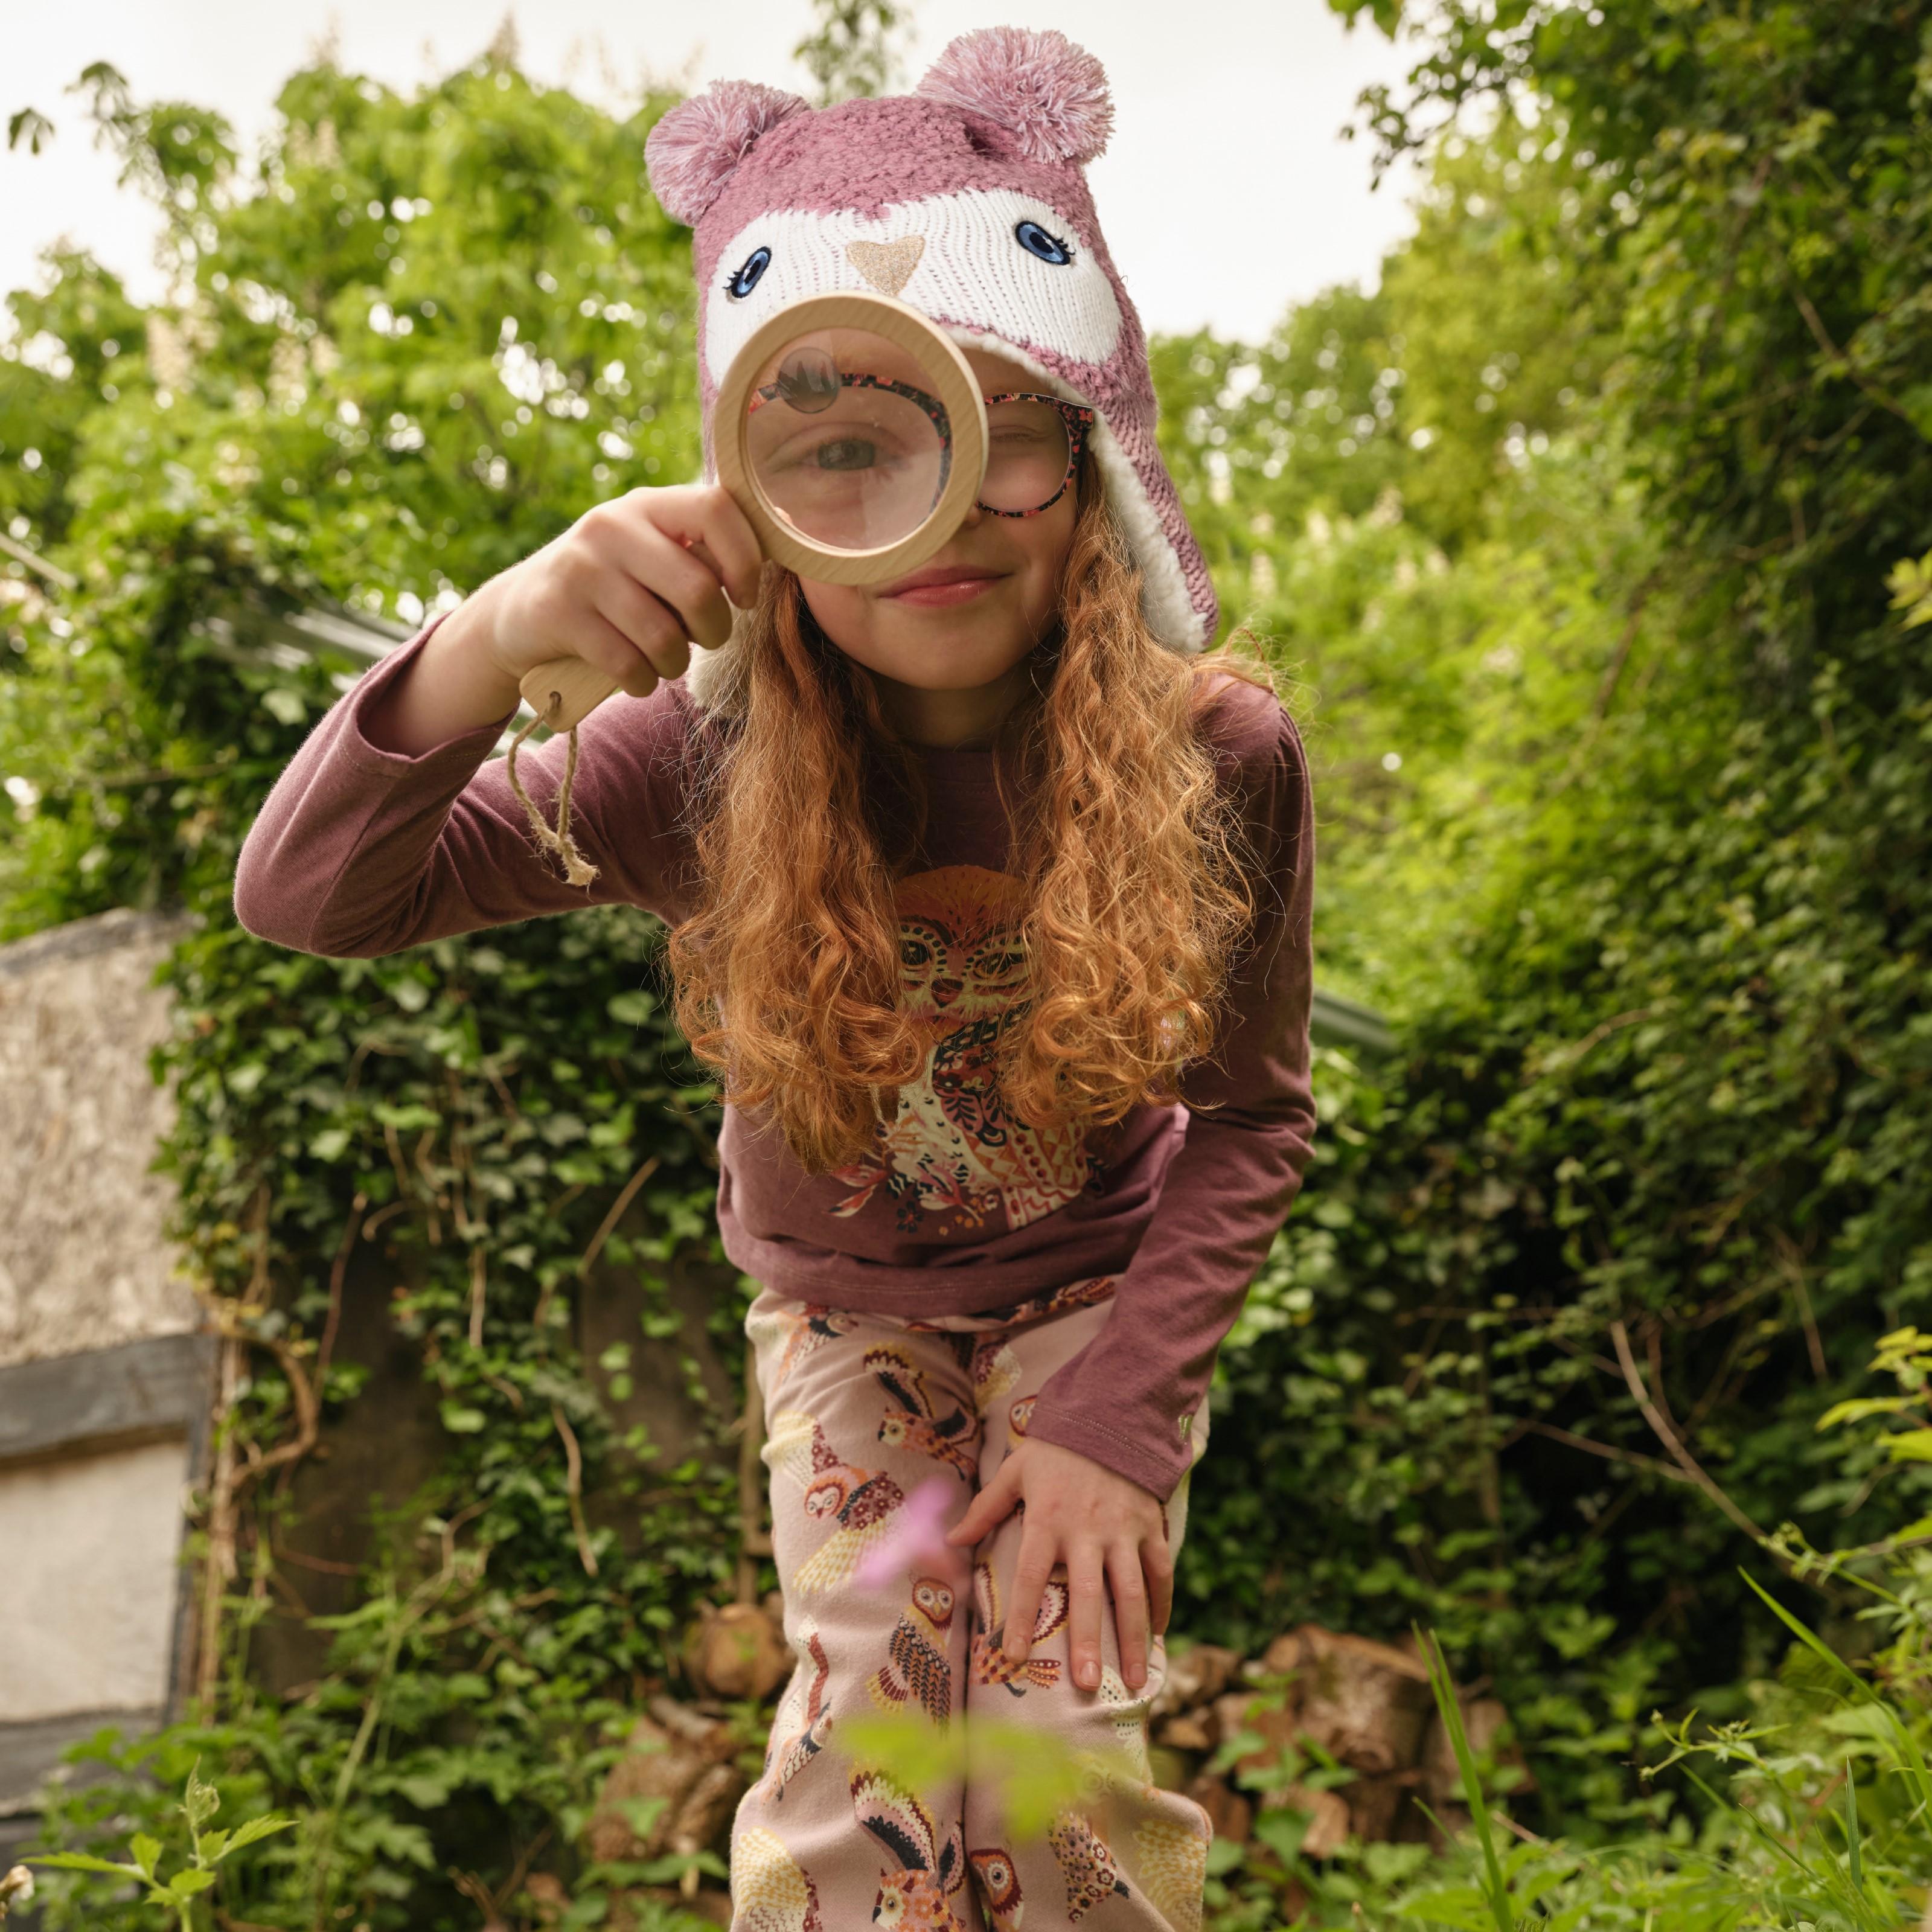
[
  {"x": 1041, "y": 97},
  {"x": 697, "y": 148}
]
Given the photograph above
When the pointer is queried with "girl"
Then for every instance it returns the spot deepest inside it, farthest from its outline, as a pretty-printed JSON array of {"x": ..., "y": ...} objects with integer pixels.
[{"x": 989, "y": 901}]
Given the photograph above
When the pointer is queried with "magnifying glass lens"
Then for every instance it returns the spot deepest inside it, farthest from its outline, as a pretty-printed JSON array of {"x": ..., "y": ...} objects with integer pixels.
[{"x": 845, "y": 440}]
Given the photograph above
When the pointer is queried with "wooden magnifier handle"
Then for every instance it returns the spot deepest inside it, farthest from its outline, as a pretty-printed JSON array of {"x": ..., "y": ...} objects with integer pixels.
[{"x": 565, "y": 691}]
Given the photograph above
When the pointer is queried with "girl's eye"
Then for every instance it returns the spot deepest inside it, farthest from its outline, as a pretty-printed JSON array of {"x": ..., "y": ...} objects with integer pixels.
[
  {"x": 847, "y": 452},
  {"x": 746, "y": 279},
  {"x": 1036, "y": 241}
]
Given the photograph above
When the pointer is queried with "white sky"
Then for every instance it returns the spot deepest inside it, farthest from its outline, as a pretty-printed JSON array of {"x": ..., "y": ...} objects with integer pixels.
[{"x": 1227, "y": 193}]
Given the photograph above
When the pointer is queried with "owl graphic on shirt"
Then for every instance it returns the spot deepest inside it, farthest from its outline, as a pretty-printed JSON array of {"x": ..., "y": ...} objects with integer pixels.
[{"x": 952, "y": 1151}]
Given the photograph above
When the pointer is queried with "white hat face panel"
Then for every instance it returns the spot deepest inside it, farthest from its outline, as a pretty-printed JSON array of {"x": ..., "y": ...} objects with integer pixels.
[{"x": 960, "y": 256}]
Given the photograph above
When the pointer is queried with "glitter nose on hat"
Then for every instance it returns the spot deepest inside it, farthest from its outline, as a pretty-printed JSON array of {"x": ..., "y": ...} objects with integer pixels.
[{"x": 887, "y": 265}]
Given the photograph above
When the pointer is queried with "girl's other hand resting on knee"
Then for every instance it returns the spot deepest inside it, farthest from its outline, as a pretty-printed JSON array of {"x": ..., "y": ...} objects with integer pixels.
[{"x": 1109, "y": 1531}]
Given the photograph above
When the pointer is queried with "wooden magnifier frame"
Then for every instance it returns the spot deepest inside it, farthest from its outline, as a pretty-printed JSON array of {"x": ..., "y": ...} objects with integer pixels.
[{"x": 565, "y": 690}]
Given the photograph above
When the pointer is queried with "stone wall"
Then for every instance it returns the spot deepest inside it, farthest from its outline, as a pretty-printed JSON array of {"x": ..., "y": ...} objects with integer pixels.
[{"x": 84, "y": 1263}]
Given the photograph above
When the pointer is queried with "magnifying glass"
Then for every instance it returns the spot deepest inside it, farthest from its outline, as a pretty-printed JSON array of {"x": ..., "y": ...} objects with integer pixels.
[{"x": 851, "y": 432}]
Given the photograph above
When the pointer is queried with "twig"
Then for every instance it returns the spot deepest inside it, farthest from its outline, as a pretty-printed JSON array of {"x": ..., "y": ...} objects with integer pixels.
[
  {"x": 308, "y": 1413},
  {"x": 478, "y": 1282},
  {"x": 387, "y": 1213},
  {"x": 65, "y": 579},
  {"x": 218, "y": 1568},
  {"x": 1564, "y": 1058},
  {"x": 573, "y": 1458},
  {"x": 322, "y": 1564},
  {"x": 616, "y": 1213},
  {"x": 503, "y": 1094},
  {"x": 336, "y": 1274},
  {"x": 1609, "y": 1453},
  {"x": 1815, "y": 323},
  {"x": 1794, "y": 1265},
  {"x": 1688, "y": 1463}
]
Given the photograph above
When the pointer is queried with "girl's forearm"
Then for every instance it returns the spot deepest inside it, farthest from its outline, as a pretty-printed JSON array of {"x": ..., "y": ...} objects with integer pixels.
[{"x": 454, "y": 686}]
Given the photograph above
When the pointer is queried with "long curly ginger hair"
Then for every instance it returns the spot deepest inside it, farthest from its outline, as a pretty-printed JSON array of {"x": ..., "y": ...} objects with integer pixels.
[{"x": 1136, "y": 886}]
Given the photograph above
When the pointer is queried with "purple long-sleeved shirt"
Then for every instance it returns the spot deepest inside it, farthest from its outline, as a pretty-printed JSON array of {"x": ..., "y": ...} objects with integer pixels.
[{"x": 957, "y": 1208}]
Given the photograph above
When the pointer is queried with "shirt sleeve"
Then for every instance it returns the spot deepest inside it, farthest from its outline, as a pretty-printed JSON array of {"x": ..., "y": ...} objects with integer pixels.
[
  {"x": 1128, "y": 1399},
  {"x": 358, "y": 851}
]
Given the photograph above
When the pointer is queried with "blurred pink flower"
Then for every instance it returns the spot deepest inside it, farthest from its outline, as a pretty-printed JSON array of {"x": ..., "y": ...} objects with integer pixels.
[{"x": 916, "y": 1535}]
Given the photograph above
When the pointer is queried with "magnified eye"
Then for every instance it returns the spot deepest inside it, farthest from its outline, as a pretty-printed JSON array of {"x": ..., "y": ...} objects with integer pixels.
[
  {"x": 746, "y": 279},
  {"x": 847, "y": 452},
  {"x": 1036, "y": 241}
]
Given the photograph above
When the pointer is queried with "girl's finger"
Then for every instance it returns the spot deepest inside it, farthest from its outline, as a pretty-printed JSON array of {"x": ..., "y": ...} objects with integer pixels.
[
  {"x": 598, "y": 641},
  {"x": 1157, "y": 1563},
  {"x": 1131, "y": 1631},
  {"x": 680, "y": 580},
  {"x": 1030, "y": 1576},
  {"x": 1086, "y": 1613},
  {"x": 708, "y": 515},
  {"x": 657, "y": 632},
  {"x": 987, "y": 1509}
]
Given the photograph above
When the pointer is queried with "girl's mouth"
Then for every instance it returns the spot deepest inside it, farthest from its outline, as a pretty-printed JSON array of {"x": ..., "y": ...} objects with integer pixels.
[{"x": 956, "y": 584}]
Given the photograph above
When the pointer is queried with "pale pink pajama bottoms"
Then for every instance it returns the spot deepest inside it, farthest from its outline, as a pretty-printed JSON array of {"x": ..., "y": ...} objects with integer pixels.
[{"x": 861, "y": 1412}]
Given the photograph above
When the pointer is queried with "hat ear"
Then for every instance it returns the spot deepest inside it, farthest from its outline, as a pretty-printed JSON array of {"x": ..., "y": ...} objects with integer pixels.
[
  {"x": 697, "y": 148},
  {"x": 1048, "y": 97}
]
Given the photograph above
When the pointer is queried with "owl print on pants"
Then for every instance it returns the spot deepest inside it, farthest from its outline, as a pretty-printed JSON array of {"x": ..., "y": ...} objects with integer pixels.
[
  {"x": 990, "y": 1664},
  {"x": 858, "y": 1503},
  {"x": 995, "y": 1372},
  {"x": 914, "y": 1420},
  {"x": 786, "y": 1337},
  {"x": 770, "y": 1891},
  {"x": 952, "y": 1151},
  {"x": 1172, "y": 1866},
  {"x": 804, "y": 1719},
  {"x": 1086, "y": 1864},
  {"x": 1019, "y": 1417},
  {"x": 916, "y": 1669},
  {"x": 917, "y": 1885},
  {"x": 999, "y": 1881}
]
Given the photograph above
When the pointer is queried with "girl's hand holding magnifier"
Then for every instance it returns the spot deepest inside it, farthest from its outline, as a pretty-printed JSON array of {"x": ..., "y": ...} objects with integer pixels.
[{"x": 624, "y": 592}]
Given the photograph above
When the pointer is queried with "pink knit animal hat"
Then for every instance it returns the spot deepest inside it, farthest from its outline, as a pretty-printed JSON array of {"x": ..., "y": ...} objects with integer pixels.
[{"x": 968, "y": 199}]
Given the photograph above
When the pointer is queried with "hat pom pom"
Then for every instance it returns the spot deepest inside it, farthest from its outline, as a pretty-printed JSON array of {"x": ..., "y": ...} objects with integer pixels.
[
  {"x": 1048, "y": 96},
  {"x": 695, "y": 149}
]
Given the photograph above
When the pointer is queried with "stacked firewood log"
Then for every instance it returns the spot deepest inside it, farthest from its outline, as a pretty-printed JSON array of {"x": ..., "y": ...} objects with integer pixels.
[
  {"x": 1314, "y": 1693},
  {"x": 1312, "y": 1697}
]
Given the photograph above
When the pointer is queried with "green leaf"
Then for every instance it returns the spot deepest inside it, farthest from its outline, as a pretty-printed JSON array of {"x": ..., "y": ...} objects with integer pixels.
[
  {"x": 81, "y": 1861},
  {"x": 1450, "y": 1709},
  {"x": 1858, "y": 1410},
  {"x": 146, "y": 1852},
  {"x": 460, "y": 1420},
  {"x": 185, "y": 1885},
  {"x": 256, "y": 1829}
]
